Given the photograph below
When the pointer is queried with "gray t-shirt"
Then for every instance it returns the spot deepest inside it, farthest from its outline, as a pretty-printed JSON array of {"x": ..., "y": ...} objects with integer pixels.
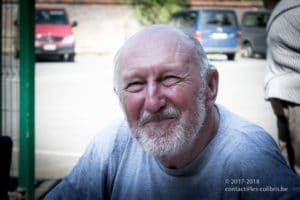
[{"x": 241, "y": 162}]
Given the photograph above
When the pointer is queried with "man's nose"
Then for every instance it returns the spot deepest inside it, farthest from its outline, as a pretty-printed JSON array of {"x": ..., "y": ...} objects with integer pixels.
[{"x": 154, "y": 99}]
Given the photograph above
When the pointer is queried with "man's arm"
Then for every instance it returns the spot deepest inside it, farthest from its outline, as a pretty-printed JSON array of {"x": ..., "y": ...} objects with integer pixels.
[{"x": 90, "y": 177}]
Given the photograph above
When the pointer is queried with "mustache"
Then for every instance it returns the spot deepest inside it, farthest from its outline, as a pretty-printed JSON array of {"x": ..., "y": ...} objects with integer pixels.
[{"x": 169, "y": 112}]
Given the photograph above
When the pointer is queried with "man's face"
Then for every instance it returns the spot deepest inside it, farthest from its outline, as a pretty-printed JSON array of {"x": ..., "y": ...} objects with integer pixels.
[{"x": 162, "y": 94}]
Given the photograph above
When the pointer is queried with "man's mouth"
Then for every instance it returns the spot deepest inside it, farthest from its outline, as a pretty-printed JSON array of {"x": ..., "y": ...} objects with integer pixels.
[
  {"x": 166, "y": 116},
  {"x": 160, "y": 120}
]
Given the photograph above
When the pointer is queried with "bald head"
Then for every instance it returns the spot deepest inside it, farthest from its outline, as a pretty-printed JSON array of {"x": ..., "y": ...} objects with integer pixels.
[
  {"x": 156, "y": 37},
  {"x": 151, "y": 45}
]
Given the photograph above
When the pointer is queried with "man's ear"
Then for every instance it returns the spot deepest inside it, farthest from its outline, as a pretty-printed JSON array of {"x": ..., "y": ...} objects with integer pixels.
[{"x": 212, "y": 87}]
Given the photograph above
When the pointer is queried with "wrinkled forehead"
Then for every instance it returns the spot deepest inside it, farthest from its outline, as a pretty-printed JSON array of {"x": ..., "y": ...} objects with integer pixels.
[{"x": 156, "y": 43}]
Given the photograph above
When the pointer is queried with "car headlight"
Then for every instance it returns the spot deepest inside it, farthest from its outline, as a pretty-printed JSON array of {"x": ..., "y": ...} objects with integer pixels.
[{"x": 69, "y": 39}]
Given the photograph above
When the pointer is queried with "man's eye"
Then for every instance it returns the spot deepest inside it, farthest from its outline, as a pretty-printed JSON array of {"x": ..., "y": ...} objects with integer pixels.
[
  {"x": 170, "y": 80},
  {"x": 135, "y": 86}
]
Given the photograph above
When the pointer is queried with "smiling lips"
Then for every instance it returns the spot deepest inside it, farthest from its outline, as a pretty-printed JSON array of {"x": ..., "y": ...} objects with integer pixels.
[
  {"x": 159, "y": 120},
  {"x": 164, "y": 116}
]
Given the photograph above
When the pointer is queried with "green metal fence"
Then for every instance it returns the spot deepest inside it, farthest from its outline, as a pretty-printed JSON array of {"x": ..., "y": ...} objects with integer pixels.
[
  {"x": 27, "y": 63},
  {"x": 17, "y": 88}
]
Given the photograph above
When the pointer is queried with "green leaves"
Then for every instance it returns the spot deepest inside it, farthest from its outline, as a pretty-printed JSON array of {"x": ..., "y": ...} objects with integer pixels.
[{"x": 155, "y": 11}]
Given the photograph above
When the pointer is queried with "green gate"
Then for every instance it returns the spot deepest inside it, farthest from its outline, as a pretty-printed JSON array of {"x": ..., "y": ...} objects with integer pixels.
[{"x": 17, "y": 88}]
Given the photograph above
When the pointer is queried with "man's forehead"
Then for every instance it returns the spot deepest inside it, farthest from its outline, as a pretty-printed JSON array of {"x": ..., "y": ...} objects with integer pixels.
[
  {"x": 151, "y": 38},
  {"x": 156, "y": 42}
]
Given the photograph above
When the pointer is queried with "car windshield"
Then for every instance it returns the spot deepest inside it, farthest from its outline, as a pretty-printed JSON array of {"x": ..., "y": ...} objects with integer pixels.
[
  {"x": 218, "y": 17},
  {"x": 185, "y": 19},
  {"x": 256, "y": 19},
  {"x": 50, "y": 17}
]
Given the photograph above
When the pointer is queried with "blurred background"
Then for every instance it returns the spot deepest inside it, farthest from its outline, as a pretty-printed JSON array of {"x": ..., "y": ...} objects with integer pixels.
[{"x": 56, "y": 75}]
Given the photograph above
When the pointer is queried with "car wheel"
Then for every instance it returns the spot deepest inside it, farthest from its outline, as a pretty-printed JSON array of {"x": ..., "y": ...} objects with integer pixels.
[
  {"x": 247, "y": 50},
  {"x": 71, "y": 57},
  {"x": 230, "y": 56},
  {"x": 61, "y": 58}
]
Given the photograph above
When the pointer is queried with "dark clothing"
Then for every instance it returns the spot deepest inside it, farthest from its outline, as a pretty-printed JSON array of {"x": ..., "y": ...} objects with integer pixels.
[{"x": 288, "y": 122}]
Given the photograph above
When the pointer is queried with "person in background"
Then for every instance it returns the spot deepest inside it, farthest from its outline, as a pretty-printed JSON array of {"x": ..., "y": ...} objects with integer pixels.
[
  {"x": 270, "y": 4},
  {"x": 175, "y": 142},
  {"x": 282, "y": 81}
]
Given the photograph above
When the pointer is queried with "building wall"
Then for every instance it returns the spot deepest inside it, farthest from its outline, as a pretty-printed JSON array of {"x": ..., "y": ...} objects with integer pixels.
[{"x": 102, "y": 28}]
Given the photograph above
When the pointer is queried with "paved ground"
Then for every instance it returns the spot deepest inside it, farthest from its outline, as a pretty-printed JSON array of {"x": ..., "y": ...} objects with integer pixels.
[
  {"x": 42, "y": 187},
  {"x": 75, "y": 100}
]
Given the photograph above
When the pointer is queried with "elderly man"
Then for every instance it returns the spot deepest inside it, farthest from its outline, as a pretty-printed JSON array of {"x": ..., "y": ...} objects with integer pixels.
[{"x": 175, "y": 142}]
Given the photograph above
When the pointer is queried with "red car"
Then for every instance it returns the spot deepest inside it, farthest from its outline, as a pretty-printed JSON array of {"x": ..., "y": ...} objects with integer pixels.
[{"x": 53, "y": 33}]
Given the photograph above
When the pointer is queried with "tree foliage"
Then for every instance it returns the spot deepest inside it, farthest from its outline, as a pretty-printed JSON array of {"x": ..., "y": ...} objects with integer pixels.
[
  {"x": 159, "y": 11},
  {"x": 155, "y": 11}
]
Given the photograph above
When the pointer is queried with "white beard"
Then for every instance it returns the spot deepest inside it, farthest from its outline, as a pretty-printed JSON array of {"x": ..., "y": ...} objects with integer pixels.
[{"x": 167, "y": 141}]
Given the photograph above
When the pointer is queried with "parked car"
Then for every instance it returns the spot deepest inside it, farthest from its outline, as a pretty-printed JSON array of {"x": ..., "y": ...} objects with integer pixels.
[
  {"x": 53, "y": 33},
  {"x": 216, "y": 29},
  {"x": 253, "y": 33}
]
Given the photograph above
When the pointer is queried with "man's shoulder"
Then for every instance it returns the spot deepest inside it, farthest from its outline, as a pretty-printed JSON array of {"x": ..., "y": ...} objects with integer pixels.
[
  {"x": 114, "y": 129},
  {"x": 248, "y": 147},
  {"x": 243, "y": 139},
  {"x": 112, "y": 138},
  {"x": 240, "y": 127}
]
